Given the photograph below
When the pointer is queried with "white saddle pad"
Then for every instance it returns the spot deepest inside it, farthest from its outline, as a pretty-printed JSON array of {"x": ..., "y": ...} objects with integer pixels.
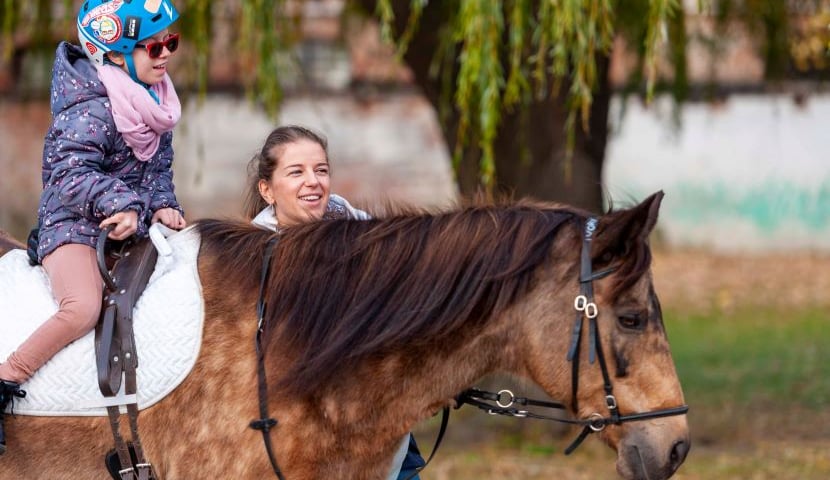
[{"x": 167, "y": 321}]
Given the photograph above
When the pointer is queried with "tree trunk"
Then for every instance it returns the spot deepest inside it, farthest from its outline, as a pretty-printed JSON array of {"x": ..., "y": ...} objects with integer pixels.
[
  {"x": 530, "y": 143},
  {"x": 530, "y": 151}
]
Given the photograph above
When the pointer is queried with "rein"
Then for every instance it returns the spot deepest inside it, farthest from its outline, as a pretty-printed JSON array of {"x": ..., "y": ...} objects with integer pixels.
[
  {"x": 504, "y": 401},
  {"x": 264, "y": 423},
  {"x": 585, "y": 308}
]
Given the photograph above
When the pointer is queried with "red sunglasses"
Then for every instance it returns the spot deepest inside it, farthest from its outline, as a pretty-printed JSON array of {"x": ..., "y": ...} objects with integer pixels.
[{"x": 154, "y": 49}]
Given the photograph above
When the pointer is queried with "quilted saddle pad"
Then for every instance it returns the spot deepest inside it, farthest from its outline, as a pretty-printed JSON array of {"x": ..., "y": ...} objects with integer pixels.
[{"x": 167, "y": 319}]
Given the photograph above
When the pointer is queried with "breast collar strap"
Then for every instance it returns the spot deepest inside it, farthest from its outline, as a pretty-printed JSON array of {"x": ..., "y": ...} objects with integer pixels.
[{"x": 266, "y": 423}]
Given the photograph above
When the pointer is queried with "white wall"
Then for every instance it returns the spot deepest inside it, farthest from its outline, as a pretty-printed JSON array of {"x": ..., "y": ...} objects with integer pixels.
[
  {"x": 751, "y": 173},
  {"x": 381, "y": 151}
]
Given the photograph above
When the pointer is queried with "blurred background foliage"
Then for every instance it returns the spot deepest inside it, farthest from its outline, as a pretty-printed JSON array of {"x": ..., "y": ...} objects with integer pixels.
[{"x": 491, "y": 63}]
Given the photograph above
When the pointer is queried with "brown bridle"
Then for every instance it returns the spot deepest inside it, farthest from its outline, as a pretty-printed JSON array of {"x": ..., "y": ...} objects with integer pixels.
[{"x": 585, "y": 308}]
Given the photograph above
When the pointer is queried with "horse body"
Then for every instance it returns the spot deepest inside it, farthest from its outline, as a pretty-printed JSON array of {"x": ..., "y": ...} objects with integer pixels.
[{"x": 372, "y": 327}]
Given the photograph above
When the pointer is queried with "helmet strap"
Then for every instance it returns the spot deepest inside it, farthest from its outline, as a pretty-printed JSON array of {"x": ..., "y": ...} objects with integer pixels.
[{"x": 128, "y": 58}]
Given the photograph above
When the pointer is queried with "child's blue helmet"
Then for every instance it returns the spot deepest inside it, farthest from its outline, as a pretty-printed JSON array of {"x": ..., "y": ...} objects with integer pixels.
[{"x": 117, "y": 25}]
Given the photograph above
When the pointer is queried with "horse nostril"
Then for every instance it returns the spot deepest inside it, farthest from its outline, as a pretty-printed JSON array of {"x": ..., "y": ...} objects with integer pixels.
[{"x": 678, "y": 454}]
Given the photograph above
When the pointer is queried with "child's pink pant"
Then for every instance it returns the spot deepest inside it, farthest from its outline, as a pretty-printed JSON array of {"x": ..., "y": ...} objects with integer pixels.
[{"x": 77, "y": 287}]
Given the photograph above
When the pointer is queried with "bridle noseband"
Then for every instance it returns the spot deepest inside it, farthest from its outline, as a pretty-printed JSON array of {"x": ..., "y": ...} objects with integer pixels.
[{"x": 585, "y": 308}]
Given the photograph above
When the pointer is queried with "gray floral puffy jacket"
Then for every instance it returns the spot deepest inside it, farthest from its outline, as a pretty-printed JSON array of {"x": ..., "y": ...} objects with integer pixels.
[{"x": 89, "y": 172}]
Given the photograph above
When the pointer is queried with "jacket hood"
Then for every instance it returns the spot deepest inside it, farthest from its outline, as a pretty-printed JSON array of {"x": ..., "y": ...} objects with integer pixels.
[{"x": 74, "y": 79}]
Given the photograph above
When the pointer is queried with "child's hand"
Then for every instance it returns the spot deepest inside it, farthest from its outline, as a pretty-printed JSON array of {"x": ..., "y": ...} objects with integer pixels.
[
  {"x": 169, "y": 217},
  {"x": 125, "y": 223}
]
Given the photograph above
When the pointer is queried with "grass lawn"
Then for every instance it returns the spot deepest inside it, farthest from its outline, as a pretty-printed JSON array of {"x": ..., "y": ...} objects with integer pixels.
[
  {"x": 754, "y": 374},
  {"x": 758, "y": 381}
]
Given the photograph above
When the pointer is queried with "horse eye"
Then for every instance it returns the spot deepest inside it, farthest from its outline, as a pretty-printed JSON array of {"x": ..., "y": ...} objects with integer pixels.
[{"x": 632, "y": 322}]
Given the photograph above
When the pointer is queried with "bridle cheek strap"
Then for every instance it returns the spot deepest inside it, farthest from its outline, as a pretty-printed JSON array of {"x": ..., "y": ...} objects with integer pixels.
[{"x": 586, "y": 308}]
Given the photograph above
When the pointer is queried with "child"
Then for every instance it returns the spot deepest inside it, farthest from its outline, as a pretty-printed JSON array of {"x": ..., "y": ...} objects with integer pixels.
[{"x": 106, "y": 162}]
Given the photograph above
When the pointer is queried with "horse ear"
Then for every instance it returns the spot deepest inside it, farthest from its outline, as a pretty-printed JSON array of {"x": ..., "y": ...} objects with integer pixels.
[{"x": 624, "y": 231}]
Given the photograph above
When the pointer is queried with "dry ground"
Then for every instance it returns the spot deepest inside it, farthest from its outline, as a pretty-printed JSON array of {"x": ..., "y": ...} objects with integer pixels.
[
  {"x": 767, "y": 461},
  {"x": 702, "y": 280}
]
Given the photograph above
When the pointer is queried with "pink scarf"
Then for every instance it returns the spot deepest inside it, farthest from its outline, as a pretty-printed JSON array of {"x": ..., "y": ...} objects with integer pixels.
[{"x": 137, "y": 116}]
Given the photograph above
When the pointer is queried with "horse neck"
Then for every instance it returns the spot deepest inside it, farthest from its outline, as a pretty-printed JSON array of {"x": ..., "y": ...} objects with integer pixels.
[
  {"x": 404, "y": 388},
  {"x": 530, "y": 340},
  {"x": 370, "y": 407}
]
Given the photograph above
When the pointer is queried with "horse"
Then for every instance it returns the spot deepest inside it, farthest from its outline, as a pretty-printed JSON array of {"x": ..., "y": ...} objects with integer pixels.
[
  {"x": 368, "y": 327},
  {"x": 7, "y": 242}
]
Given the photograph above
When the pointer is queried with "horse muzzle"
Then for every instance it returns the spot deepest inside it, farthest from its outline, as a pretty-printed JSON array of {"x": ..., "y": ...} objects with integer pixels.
[{"x": 653, "y": 452}]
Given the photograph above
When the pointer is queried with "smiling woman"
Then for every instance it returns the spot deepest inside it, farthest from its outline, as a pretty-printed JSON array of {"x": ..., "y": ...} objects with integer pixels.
[
  {"x": 289, "y": 182},
  {"x": 290, "y": 186},
  {"x": 299, "y": 185}
]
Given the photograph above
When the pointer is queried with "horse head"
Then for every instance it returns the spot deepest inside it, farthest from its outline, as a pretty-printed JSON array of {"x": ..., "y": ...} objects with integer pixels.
[{"x": 619, "y": 365}]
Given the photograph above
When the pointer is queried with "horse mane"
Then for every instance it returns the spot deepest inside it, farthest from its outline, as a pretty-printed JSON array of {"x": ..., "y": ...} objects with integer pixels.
[
  {"x": 341, "y": 291},
  {"x": 238, "y": 246}
]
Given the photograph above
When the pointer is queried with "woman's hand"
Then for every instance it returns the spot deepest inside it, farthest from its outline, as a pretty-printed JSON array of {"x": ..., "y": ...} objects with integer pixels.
[
  {"x": 169, "y": 217},
  {"x": 125, "y": 223}
]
